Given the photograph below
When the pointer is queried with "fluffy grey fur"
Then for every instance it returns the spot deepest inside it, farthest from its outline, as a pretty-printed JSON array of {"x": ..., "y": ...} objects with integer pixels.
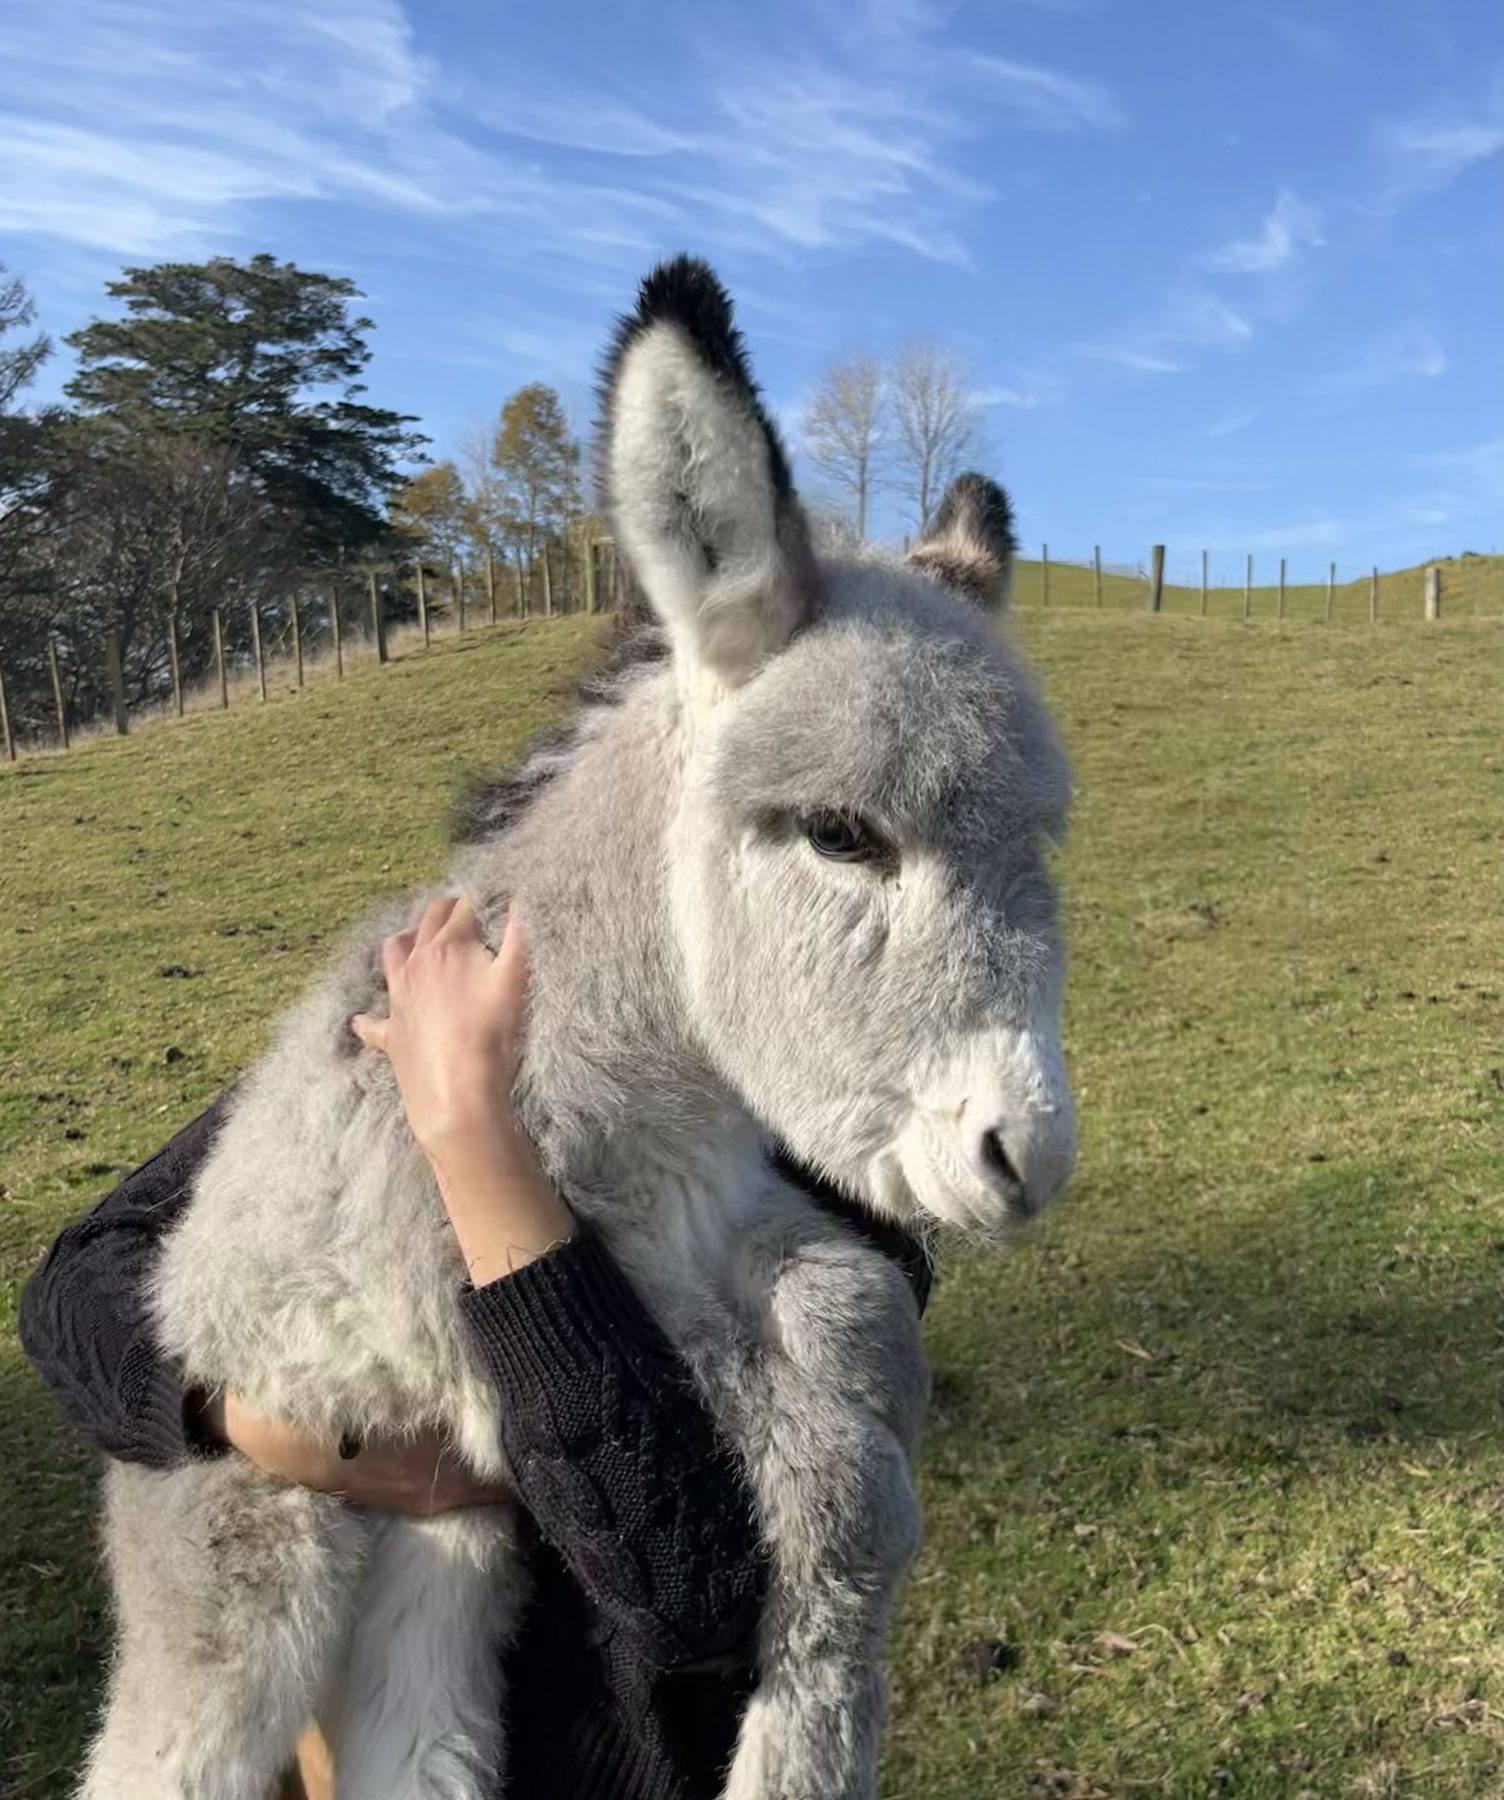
[{"x": 786, "y": 883}]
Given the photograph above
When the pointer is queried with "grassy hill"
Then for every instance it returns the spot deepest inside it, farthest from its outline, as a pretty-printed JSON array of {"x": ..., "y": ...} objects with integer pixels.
[
  {"x": 1211, "y": 1480},
  {"x": 1471, "y": 587}
]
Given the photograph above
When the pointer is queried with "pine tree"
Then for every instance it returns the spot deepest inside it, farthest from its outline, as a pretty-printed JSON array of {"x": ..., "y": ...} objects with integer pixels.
[{"x": 263, "y": 359}]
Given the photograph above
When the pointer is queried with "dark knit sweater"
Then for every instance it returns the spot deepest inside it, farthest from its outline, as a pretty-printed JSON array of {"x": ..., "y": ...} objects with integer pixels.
[{"x": 635, "y": 1657}]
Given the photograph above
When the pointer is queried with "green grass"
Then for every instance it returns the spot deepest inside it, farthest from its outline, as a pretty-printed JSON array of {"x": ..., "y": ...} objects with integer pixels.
[
  {"x": 1235, "y": 1404},
  {"x": 1471, "y": 587}
]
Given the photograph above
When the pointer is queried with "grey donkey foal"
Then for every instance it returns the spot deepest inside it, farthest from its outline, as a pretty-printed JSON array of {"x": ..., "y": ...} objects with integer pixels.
[{"x": 785, "y": 884}]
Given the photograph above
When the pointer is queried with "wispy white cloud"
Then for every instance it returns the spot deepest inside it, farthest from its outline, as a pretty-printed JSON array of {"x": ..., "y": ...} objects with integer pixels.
[
  {"x": 1362, "y": 535},
  {"x": 1317, "y": 532},
  {"x": 1289, "y": 227},
  {"x": 1410, "y": 353},
  {"x": 1212, "y": 482},
  {"x": 1313, "y": 41},
  {"x": 1425, "y": 151},
  {"x": 1195, "y": 314},
  {"x": 1024, "y": 391},
  {"x": 1479, "y": 465},
  {"x": 1133, "y": 356},
  {"x": 160, "y": 127},
  {"x": 144, "y": 130},
  {"x": 1047, "y": 98},
  {"x": 1190, "y": 317},
  {"x": 1232, "y": 423}
]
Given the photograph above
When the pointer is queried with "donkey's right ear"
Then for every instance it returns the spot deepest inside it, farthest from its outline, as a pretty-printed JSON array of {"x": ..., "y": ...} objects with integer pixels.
[{"x": 696, "y": 480}]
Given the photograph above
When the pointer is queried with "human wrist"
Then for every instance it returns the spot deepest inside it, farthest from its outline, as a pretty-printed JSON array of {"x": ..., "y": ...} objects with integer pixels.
[
  {"x": 474, "y": 1127},
  {"x": 481, "y": 1154},
  {"x": 504, "y": 1213}
]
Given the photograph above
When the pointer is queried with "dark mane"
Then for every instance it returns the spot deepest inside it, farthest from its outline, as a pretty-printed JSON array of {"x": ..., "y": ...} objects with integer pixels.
[{"x": 491, "y": 801}]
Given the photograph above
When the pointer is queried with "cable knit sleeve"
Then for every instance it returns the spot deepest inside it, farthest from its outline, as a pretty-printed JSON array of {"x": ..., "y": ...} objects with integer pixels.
[
  {"x": 616, "y": 1457},
  {"x": 83, "y": 1318}
]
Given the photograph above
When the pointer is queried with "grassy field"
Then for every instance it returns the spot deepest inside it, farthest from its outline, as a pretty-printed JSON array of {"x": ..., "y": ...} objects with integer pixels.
[
  {"x": 1213, "y": 1471},
  {"x": 1472, "y": 587}
]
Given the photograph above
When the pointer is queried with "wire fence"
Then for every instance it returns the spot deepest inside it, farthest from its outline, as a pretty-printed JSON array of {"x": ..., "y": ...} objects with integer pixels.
[
  {"x": 319, "y": 628},
  {"x": 1250, "y": 587},
  {"x": 331, "y": 632}
]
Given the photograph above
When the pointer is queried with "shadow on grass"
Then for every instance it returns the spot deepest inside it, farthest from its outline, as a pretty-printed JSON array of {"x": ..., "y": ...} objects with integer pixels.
[
  {"x": 1321, "y": 1314},
  {"x": 53, "y": 1628},
  {"x": 1262, "y": 1344}
]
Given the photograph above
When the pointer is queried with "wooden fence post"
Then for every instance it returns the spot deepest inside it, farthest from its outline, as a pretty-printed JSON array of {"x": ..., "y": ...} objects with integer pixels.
[
  {"x": 297, "y": 636},
  {"x": 1279, "y": 605},
  {"x": 117, "y": 681},
  {"x": 172, "y": 663},
  {"x": 339, "y": 649},
  {"x": 1373, "y": 597},
  {"x": 10, "y": 742},
  {"x": 1203, "y": 584},
  {"x": 1044, "y": 574},
  {"x": 57, "y": 693},
  {"x": 491, "y": 580},
  {"x": 1433, "y": 592},
  {"x": 1096, "y": 573},
  {"x": 378, "y": 618},
  {"x": 1331, "y": 589},
  {"x": 256, "y": 646},
  {"x": 1248, "y": 585},
  {"x": 457, "y": 577},
  {"x": 548, "y": 586},
  {"x": 219, "y": 661},
  {"x": 1156, "y": 577},
  {"x": 423, "y": 602}
]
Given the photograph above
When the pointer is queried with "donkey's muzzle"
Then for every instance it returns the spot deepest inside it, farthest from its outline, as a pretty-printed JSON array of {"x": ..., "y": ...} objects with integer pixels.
[{"x": 1026, "y": 1160}]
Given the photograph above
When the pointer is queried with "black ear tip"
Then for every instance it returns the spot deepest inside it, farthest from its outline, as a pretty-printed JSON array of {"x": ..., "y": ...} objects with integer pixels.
[
  {"x": 684, "y": 290},
  {"x": 973, "y": 494},
  {"x": 981, "y": 507}
]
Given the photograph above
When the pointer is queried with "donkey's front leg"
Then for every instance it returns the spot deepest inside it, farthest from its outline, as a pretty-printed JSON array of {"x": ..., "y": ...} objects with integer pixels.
[{"x": 827, "y": 1409}]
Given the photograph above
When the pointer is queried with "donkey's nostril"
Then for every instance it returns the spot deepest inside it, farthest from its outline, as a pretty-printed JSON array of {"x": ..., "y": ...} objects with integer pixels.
[{"x": 997, "y": 1161}]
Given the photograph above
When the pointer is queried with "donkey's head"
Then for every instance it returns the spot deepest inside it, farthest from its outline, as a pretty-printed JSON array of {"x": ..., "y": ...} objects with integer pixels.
[{"x": 868, "y": 787}]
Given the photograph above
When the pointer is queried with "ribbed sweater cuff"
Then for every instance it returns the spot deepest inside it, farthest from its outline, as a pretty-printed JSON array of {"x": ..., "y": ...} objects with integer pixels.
[
  {"x": 601, "y": 1761},
  {"x": 566, "y": 1311},
  {"x": 152, "y": 1399}
]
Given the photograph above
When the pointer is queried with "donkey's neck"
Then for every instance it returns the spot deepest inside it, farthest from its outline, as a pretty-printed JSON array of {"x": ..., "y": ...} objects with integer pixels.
[{"x": 624, "y": 1104}]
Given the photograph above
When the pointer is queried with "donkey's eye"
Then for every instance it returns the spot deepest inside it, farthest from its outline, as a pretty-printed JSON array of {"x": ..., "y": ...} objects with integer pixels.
[{"x": 842, "y": 838}]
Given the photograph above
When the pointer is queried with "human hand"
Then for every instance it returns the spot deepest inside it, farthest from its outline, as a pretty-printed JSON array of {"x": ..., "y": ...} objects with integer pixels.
[
  {"x": 453, "y": 1037},
  {"x": 417, "y": 1475},
  {"x": 452, "y": 1034}
]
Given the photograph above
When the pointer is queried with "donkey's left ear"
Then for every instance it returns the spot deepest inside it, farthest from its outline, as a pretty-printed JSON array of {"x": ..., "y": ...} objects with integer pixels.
[
  {"x": 697, "y": 482},
  {"x": 970, "y": 544}
]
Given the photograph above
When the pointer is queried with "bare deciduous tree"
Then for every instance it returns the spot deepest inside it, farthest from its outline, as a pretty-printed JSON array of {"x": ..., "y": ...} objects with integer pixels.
[
  {"x": 152, "y": 536},
  {"x": 844, "y": 430},
  {"x": 936, "y": 425}
]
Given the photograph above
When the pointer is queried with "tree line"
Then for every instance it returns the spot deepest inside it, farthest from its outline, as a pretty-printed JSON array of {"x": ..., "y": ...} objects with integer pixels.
[{"x": 217, "y": 452}]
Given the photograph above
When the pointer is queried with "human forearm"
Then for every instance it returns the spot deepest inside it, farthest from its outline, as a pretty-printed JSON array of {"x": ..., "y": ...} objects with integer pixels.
[
  {"x": 503, "y": 1212},
  {"x": 617, "y": 1458}
]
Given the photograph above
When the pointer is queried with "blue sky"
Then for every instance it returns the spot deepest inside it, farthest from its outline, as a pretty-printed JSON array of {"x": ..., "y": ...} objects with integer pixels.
[{"x": 1224, "y": 275}]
